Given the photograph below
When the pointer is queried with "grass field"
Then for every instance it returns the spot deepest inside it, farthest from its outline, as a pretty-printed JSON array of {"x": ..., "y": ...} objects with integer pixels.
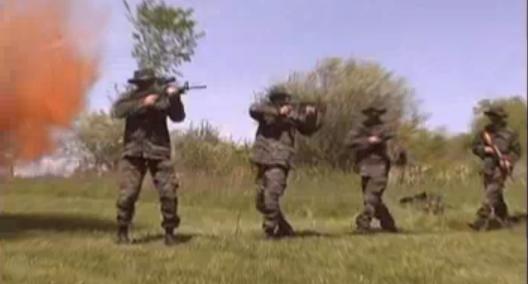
[{"x": 62, "y": 231}]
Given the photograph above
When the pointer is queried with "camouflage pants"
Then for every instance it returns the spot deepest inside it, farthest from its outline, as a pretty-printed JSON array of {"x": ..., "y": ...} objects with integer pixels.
[
  {"x": 493, "y": 206},
  {"x": 271, "y": 184},
  {"x": 373, "y": 188},
  {"x": 132, "y": 170}
]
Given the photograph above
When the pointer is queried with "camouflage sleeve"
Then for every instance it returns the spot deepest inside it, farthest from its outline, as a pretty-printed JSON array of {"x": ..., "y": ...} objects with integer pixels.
[
  {"x": 515, "y": 149},
  {"x": 176, "y": 110},
  {"x": 126, "y": 106},
  {"x": 263, "y": 112},
  {"x": 478, "y": 146},
  {"x": 306, "y": 124},
  {"x": 356, "y": 140},
  {"x": 169, "y": 104}
]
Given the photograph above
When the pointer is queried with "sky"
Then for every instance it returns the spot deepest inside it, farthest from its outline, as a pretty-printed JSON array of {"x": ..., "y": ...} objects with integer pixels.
[{"x": 452, "y": 52}]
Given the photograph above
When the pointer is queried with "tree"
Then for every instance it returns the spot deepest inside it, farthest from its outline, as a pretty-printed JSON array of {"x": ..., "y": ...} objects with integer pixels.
[
  {"x": 164, "y": 36},
  {"x": 346, "y": 87},
  {"x": 101, "y": 135}
]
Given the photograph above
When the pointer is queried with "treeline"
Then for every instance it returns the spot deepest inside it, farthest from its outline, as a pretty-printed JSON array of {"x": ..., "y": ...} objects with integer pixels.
[{"x": 345, "y": 87}]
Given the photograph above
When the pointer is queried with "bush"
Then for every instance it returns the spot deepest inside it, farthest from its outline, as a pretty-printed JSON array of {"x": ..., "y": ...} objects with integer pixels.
[
  {"x": 346, "y": 87},
  {"x": 201, "y": 149},
  {"x": 102, "y": 137}
]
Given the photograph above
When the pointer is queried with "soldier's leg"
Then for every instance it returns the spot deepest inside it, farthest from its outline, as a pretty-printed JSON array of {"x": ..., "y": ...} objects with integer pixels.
[
  {"x": 285, "y": 228},
  {"x": 373, "y": 188},
  {"x": 274, "y": 186},
  {"x": 364, "y": 219},
  {"x": 495, "y": 200},
  {"x": 493, "y": 210},
  {"x": 131, "y": 173},
  {"x": 382, "y": 213},
  {"x": 165, "y": 181},
  {"x": 259, "y": 196}
]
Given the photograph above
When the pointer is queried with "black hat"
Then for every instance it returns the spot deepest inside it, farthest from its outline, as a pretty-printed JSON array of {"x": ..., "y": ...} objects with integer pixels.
[
  {"x": 143, "y": 75},
  {"x": 374, "y": 110},
  {"x": 278, "y": 93},
  {"x": 496, "y": 111}
]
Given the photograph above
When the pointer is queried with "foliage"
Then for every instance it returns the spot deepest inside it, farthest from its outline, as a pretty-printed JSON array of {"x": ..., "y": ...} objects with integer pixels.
[
  {"x": 164, "y": 36},
  {"x": 202, "y": 149},
  {"x": 346, "y": 87},
  {"x": 101, "y": 135}
]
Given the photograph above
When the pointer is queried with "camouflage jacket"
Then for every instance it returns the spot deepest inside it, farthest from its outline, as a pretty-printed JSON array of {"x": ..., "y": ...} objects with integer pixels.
[
  {"x": 146, "y": 133},
  {"x": 506, "y": 141},
  {"x": 369, "y": 159},
  {"x": 275, "y": 140}
]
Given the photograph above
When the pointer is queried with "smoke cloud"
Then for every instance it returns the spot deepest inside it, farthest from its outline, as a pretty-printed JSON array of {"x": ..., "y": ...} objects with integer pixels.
[{"x": 48, "y": 62}]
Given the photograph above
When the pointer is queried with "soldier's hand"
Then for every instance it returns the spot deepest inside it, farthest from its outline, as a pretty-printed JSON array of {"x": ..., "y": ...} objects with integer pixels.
[
  {"x": 506, "y": 164},
  {"x": 374, "y": 140},
  {"x": 285, "y": 110},
  {"x": 171, "y": 90},
  {"x": 150, "y": 99},
  {"x": 488, "y": 150},
  {"x": 310, "y": 110}
]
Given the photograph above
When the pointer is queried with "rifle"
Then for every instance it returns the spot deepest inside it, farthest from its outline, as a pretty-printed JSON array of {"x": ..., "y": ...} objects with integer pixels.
[
  {"x": 505, "y": 169},
  {"x": 165, "y": 81}
]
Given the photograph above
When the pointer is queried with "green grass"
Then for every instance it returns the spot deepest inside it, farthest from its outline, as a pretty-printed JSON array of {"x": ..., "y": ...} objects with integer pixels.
[{"x": 61, "y": 231}]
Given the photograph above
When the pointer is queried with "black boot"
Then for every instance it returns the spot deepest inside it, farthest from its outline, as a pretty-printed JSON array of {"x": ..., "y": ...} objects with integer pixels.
[
  {"x": 386, "y": 220},
  {"x": 170, "y": 238},
  {"x": 480, "y": 224},
  {"x": 122, "y": 235},
  {"x": 285, "y": 229},
  {"x": 363, "y": 224}
]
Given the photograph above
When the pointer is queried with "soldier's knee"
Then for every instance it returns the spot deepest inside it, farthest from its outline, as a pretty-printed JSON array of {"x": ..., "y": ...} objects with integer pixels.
[
  {"x": 275, "y": 180},
  {"x": 494, "y": 194},
  {"x": 259, "y": 203},
  {"x": 127, "y": 198},
  {"x": 169, "y": 203},
  {"x": 372, "y": 199},
  {"x": 269, "y": 203}
]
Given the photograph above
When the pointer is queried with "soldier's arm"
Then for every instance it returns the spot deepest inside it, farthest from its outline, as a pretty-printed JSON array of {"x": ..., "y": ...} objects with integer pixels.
[
  {"x": 307, "y": 124},
  {"x": 478, "y": 146},
  {"x": 176, "y": 109},
  {"x": 263, "y": 112},
  {"x": 169, "y": 103},
  {"x": 356, "y": 140},
  {"x": 126, "y": 106},
  {"x": 515, "y": 149}
]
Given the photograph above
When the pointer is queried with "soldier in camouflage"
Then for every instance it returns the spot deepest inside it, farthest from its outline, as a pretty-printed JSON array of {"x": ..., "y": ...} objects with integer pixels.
[
  {"x": 494, "y": 213},
  {"x": 147, "y": 147},
  {"x": 368, "y": 144},
  {"x": 273, "y": 152}
]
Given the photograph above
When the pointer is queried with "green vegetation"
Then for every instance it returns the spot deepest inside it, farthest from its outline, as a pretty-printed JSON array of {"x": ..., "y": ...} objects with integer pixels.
[
  {"x": 61, "y": 231},
  {"x": 164, "y": 35}
]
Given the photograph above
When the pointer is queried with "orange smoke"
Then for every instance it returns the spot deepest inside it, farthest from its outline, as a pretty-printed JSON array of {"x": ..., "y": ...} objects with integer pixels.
[{"x": 45, "y": 72}]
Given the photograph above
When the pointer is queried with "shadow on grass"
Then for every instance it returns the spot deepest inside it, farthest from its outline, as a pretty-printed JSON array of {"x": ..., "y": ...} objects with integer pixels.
[
  {"x": 180, "y": 238},
  {"x": 19, "y": 224}
]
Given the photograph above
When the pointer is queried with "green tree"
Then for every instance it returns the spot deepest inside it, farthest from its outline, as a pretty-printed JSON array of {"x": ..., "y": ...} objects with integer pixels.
[
  {"x": 164, "y": 36},
  {"x": 346, "y": 87},
  {"x": 101, "y": 136}
]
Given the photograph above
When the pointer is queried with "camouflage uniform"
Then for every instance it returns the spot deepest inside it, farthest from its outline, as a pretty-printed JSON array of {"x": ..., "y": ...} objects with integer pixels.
[
  {"x": 372, "y": 162},
  {"x": 147, "y": 147},
  {"x": 494, "y": 210},
  {"x": 272, "y": 153}
]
